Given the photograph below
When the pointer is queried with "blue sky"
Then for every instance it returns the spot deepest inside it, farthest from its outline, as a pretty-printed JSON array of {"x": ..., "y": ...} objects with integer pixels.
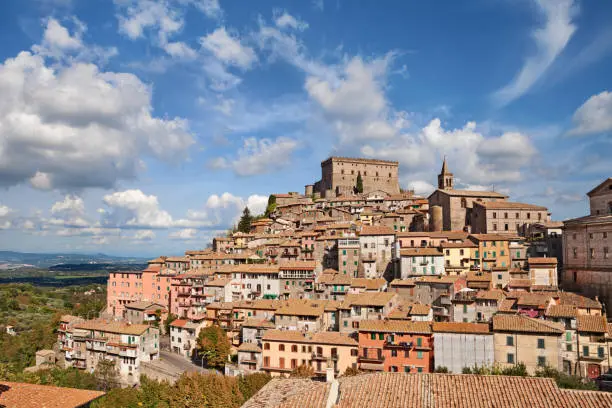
[{"x": 144, "y": 127}]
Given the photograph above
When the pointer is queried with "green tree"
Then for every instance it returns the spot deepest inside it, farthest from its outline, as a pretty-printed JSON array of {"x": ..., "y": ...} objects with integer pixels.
[
  {"x": 359, "y": 184},
  {"x": 303, "y": 371},
  {"x": 171, "y": 317},
  {"x": 441, "y": 369},
  {"x": 271, "y": 205},
  {"x": 351, "y": 371},
  {"x": 244, "y": 225},
  {"x": 120, "y": 398},
  {"x": 566, "y": 381},
  {"x": 106, "y": 375},
  {"x": 250, "y": 384},
  {"x": 214, "y": 345}
]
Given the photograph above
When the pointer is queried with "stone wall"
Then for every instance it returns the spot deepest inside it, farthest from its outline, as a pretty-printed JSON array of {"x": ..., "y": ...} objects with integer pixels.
[{"x": 339, "y": 176}]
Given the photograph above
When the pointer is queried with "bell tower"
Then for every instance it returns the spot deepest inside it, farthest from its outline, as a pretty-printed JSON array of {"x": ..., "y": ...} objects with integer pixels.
[{"x": 445, "y": 178}]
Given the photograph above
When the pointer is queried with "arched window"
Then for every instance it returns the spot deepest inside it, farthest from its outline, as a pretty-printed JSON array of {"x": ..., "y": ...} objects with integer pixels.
[
  {"x": 294, "y": 348},
  {"x": 281, "y": 347},
  {"x": 463, "y": 203}
]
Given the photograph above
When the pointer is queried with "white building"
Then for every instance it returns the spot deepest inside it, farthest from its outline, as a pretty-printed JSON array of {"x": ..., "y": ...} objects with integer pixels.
[
  {"x": 460, "y": 345},
  {"x": 127, "y": 345},
  {"x": 377, "y": 243},
  {"x": 184, "y": 336},
  {"x": 253, "y": 281},
  {"x": 421, "y": 262}
]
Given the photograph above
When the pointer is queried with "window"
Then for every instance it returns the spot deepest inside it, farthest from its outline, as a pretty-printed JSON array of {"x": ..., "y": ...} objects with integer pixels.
[
  {"x": 281, "y": 362},
  {"x": 345, "y": 323},
  {"x": 505, "y": 227},
  {"x": 266, "y": 362},
  {"x": 494, "y": 215},
  {"x": 568, "y": 336},
  {"x": 574, "y": 235},
  {"x": 541, "y": 361},
  {"x": 293, "y": 363},
  {"x": 499, "y": 276},
  {"x": 592, "y": 252},
  {"x": 464, "y": 308},
  {"x": 372, "y": 336},
  {"x": 509, "y": 341},
  {"x": 600, "y": 352},
  {"x": 419, "y": 341},
  {"x": 510, "y": 358},
  {"x": 406, "y": 369},
  {"x": 528, "y": 216},
  {"x": 605, "y": 235},
  {"x": 393, "y": 369},
  {"x": 354, "y": 352},
  {"x": 419, "y": 354},
  {"x": 393, "y": 353},
  {"x": 381, "y": 336},
  {"x": 568, "y": 347},
  {"x": 605, "y": 251},
  {"x": 344, "y": 252},
  {"x": 281, "y": 347},
  {"x": 294, "y": 348},
  {"x": 494, "y": 227},
  {"x": 266, "y": 346},
  {"x": 585, "y": 351},
  {"x": 505, "y": 215},
  {"x": 540, "y": 343},
  {"x": 575, "y": 252}
]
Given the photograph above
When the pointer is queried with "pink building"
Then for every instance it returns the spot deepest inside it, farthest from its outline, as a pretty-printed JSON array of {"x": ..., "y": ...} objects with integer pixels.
[{"x": 150, "y": 284}]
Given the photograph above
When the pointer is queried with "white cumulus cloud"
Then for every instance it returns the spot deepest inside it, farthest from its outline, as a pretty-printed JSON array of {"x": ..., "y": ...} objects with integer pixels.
[
  {"x": 228, "y": 49},
  {"x": 594, "y": 116}
]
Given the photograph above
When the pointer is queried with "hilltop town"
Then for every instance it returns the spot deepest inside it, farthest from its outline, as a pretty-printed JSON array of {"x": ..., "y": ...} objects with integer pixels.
[{"x": 357, "y": 275}]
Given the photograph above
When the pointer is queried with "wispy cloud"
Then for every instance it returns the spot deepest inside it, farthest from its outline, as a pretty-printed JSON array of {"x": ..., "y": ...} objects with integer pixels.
[{"x": 550, "y": 41}]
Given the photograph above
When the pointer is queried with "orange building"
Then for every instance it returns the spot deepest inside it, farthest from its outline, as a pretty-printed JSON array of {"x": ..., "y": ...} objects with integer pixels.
[
  {"x": 396, "y": 345},
  {"x": 493, "y": 251}
]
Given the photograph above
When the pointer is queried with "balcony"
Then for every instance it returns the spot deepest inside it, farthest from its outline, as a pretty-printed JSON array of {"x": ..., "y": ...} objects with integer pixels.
[
  {"x": 406, "y": 345},
  {"x": 372, "y": 357},
  {"x": 321, "y": 357},
  {"x": 128, "y": 353}
]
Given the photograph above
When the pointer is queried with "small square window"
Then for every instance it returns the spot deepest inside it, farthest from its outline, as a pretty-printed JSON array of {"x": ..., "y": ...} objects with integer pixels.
[{"x": 510, "y": 358}]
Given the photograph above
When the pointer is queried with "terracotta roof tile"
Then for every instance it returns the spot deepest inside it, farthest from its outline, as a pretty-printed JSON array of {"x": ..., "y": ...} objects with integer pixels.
[
  {"x": 523, "y": 324},
  {"x": 460, "y": 327},
  {"x": 250, "y": 347},
  {"x": 562, "y": 311},
  {"x": 376, "y": 230},
  {"x": 369, "y": 284},
  {"x": 593, "y": 324},
  {"x": 23, "y": 395},
  {"x": 394, "y": 326},
  {"x": 503, "y": 205},
  {"x": 113, "y": 327},
  {"x": 542, "y": 261}
]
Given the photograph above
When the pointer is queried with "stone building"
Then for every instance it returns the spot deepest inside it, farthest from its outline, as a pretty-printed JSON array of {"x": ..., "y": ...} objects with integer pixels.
[
  {"x": 451, "y": 209},
  {"x": 587, "y": 264},
  {"x": 377, "y": 244},
  {"x": 534, "y": 342},
  {"x": 339, "y": 176},
  {"x": 348, "y": 256},
  {"x": 505, "y": 217}
]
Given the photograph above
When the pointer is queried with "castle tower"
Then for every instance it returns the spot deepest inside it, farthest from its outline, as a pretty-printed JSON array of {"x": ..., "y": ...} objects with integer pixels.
[{"x": 445, "y": 178}]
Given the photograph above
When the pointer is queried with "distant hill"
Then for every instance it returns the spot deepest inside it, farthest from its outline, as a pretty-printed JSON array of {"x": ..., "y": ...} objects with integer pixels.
[{"x": 12, "y": 258}]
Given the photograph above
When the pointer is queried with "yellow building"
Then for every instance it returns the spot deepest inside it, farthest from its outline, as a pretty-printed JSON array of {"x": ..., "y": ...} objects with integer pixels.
[
  {"x": 286, "y": 350},
  {"x": 533, "y": 342},
  {"x": 458, "y": 256},
  {"x": 493, "y": 250}
]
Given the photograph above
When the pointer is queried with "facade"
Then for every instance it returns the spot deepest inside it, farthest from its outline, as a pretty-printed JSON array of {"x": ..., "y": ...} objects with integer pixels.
[
  {"x": 377, "y": 249},
  {"x": 421, "y": 262},
  {"x": 505, "y": 217},
  {"x": 184, "y": 336},
  {"x": 145, "y": 312},
  {"x": 458, "y": 257},
  {"x": 459, "y": 345},
  {"x": 348, "y": 256},
  {"x": 450, "y": 209},
  {"x": 339, "y": 176},
  {"x": 365, "y": 306},
  {"x": 493, "y": 251},
  {"x": 521, "y": 339},
  {"x": 285, "y": 351},
  {"x": 543, "y": 271},
  {"x": 249, "y": 358},
  {"x": 587, "y": 245},
  {"x": 395, "y": 346},
  {"x": 127, "y": 345}
]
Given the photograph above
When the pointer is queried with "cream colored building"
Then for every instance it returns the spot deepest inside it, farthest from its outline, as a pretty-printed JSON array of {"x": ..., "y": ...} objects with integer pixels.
[
  {"x": 458, "y": 256},
  {"x": 284, "y": 351},
  {"x": 533, "y": 342},
  {"x": 543, "y": 271}
]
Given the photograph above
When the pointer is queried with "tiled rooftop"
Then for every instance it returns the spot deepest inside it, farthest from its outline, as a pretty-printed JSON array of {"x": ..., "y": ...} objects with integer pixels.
[{"x": 23, "y": 395}]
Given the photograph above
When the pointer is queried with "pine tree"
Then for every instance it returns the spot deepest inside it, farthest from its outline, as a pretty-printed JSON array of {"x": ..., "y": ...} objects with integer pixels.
[
  {"x": 359, "y": 186},
  {"x": 244, "y": 225}
]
